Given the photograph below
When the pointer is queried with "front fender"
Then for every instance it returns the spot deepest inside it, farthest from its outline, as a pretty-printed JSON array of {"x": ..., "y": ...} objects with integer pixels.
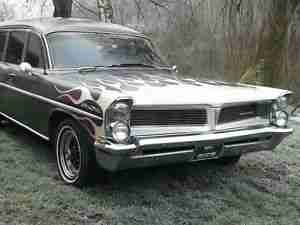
[{"x": 91, "y": 123}]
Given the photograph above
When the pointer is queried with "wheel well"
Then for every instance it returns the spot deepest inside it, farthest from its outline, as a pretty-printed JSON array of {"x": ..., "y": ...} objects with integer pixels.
[{"x": 56, "y": 118}]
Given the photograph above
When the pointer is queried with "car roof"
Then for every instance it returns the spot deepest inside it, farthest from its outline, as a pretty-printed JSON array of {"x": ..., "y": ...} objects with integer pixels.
[{"x": 51, "y": 25}]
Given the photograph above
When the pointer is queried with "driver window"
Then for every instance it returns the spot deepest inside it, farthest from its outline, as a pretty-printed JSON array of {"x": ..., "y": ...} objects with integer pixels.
[{"x": 34, "y": 53}]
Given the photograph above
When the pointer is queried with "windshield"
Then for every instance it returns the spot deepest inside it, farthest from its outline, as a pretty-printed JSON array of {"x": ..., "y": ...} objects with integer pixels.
[{"x": 74, "y": 50}]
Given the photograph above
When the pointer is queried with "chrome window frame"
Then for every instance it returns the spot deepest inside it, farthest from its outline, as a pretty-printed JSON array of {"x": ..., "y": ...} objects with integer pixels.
[
  {"x": 9, "y": 31},
  {"x": 28, "y": 29}
]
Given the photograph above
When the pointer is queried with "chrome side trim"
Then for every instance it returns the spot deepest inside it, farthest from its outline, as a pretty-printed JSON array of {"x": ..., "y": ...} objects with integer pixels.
[
  {"x": 25, "y": 126},
  {"x": 47, "y": 49},
  {"x": 59, "y": 104}
]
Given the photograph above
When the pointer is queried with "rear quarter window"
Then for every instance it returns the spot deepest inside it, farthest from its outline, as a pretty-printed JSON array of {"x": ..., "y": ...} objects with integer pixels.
[
  {"x": 3, "y": 35},
  {"x": 16, "y": 44}
]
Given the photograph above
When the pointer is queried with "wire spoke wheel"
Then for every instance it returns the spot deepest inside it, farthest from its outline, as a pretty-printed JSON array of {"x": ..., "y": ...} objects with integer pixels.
[
  {"x": 75, "y": 156},
  {"x": 69, "y": 154}
]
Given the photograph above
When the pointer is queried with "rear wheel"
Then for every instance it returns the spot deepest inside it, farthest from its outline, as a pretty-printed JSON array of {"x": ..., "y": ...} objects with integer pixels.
[
  {"x": 232, "y": 160},
  {"x": 74, "y": 153}
]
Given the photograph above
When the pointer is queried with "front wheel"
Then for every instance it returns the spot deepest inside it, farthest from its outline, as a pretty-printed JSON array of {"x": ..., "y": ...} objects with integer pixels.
[{"x": 74, "y": 153}]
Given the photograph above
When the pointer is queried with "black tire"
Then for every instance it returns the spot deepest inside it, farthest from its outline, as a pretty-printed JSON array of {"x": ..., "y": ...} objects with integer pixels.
[
  {"x": 75, "y": 156},
  {"x": 232, "y": 160}
]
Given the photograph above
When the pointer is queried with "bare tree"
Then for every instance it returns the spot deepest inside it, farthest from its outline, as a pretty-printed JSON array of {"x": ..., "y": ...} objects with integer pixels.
[
  {"x": 62, "y": 8},
  {"x": 5, "y": 11},
  {"x": 105, "y": 10},
  {"x": 272, "y": 37}
]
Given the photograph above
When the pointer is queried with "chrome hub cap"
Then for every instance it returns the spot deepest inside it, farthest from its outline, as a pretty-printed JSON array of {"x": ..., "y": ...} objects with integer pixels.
[{"x": 69, "y": 156}]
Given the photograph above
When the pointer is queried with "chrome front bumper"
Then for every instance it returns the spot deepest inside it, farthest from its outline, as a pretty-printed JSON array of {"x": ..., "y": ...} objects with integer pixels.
[{"x": 153, "y": 151}]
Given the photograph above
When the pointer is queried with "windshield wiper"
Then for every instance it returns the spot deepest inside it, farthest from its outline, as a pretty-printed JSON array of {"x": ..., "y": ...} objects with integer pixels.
[
  {"x": 90, "y": 69},
  {"x": 132, "y": 65}
]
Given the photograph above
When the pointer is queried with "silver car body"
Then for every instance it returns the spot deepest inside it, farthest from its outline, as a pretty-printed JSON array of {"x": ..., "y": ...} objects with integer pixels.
[{"x": 230, "y": 124}]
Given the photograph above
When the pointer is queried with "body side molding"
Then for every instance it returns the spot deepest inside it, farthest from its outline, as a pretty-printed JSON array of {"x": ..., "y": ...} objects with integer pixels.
[
  {"x": 50, "y": 101},
  {"x": 25, "y": 126}
]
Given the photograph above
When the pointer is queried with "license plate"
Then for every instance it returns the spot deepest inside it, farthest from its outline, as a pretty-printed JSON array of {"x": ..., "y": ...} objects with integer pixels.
[
  {"x": 207, "y": 151},
  {"x": 200, "y": 149}
]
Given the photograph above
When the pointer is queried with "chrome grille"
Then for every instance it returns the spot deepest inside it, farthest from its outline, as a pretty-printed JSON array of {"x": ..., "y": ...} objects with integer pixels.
[
  {"x": 169, "y": 117},
  {"x": 242, "y": 112}
]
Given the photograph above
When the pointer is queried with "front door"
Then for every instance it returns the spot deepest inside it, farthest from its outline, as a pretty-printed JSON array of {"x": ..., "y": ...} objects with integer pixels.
[
  {"x": 11, "y": 101},
  {"x": 21, "y": 91},
  {"x": 3, "y": 68},
  {"x": 35, "y": 110}
]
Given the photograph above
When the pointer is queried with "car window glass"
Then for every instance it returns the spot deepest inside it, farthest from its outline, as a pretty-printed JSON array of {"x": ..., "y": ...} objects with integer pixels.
[
  {"x": 71, "y": 49},
  {"x": 34, "y": 54},
  {"x": 2, "y": 43},
  {"x": 15, "y": 47}
]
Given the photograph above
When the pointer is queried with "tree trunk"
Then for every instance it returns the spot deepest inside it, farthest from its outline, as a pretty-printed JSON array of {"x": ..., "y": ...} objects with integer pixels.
[
  {"x": 272, "y": 44},
  {"x": 62, "y": 8},
  {"x": 105, "y": 10}
]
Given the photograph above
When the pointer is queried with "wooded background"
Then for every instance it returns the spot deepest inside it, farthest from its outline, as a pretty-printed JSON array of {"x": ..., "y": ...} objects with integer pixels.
[{"x": 256, "y": 41}]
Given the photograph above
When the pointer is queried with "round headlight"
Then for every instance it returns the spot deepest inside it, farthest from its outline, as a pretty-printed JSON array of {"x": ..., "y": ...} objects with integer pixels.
[
  {"x": 282, "y": 119},
  {"x": 120, "y": 112},
  {"x": 120, "y": 132},
  {"x": 117, "y": 119},
  {"x": 282, "y": 102}
]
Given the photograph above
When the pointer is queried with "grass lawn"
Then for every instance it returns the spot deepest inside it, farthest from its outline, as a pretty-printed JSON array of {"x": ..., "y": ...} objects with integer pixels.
[{"x": 264, "y": 188}]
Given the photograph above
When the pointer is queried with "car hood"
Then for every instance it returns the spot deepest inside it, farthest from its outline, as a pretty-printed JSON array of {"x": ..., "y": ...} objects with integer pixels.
[{"x": 160, "y": 87}]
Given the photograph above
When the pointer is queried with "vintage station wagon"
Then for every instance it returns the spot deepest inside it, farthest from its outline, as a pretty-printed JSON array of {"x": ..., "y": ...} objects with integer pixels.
[{"x": 101, "y": 93}]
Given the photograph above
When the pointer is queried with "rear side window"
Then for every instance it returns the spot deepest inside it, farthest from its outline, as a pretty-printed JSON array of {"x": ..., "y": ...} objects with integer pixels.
[
  {"x": 3, "y": 36},
  {"x": 34, "y": 53},
  {"x": 15, "y": 47}
]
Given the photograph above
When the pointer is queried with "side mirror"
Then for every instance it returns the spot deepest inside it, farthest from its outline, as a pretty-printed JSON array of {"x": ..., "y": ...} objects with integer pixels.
[
  {"x": 175, "y": 69},
  {"x": 26, "y": 68}
]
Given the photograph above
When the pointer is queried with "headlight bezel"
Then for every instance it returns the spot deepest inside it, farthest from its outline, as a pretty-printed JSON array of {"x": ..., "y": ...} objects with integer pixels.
[
  {"x": 282, "y": 102},
  {"x": 277, "y": 112},
  {"x": 114, "y": 117}
]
